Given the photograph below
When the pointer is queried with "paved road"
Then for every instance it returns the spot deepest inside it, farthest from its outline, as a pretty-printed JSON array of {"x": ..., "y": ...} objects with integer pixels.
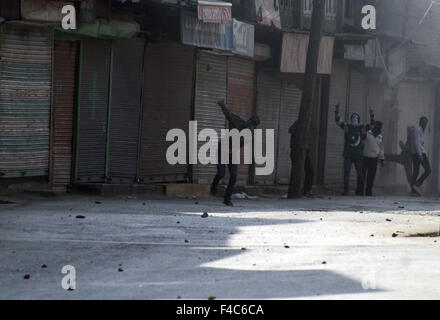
[{"x": 127, "y": 248}]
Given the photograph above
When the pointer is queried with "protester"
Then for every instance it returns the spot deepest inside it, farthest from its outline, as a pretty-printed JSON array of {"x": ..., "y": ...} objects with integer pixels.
[
  {"x": 419, "y": 157},
  {"x": 373, "y": 152},
  {"x": 355, "y": 134},
  {"x": 308, "y": 166},
  {"x": 235, "y": 122}
]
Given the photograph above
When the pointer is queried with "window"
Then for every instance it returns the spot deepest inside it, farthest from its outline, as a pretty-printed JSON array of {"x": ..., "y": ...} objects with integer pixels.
[
  {"x": 348, "y": 9},
  {"x": 308, "y": 6},
  {"x": 286, "y": 4},
  {"x": 330, "y": 7}
]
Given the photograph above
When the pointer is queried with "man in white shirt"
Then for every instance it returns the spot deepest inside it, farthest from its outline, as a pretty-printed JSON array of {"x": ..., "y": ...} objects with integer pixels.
[
  {"x": 419, "y": 156},
  {"x": 373, "y": 152}
]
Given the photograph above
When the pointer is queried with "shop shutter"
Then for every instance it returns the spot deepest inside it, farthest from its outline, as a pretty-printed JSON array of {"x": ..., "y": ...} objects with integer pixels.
[
  {"x": 240, "y": 98},
  {"x": 93, "y": 107},
  {"x": 25, "y": 95},
  {"x": 268, "y": 108},
  {"x": 125, "y": 109},
  {"x": 358, "y": 94},
  {"x": 335, "y": 135},
  {"x": 167, "y": 105},
  {"x": 210, "y": 87},
  {"x": 65, "y": 56},
  {"x": 289, "y": 111}
]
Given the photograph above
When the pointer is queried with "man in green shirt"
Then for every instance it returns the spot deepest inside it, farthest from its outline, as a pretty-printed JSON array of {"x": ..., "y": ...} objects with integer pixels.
[{"x": 355, "y": 134}]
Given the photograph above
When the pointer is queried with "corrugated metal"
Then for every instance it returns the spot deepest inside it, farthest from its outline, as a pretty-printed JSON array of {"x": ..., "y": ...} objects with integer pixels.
[
  {"x": 168, "y": 88},
  {"x": 289, "y": 111},
  {"x": 125, "y": 109},
  {"x": 93, "y": 107},
  {"x": 211, "y": 86},
  {"x": 358, "y": 94},
  {"x": 240, "y": 98},
  {"x": 25, "y": 92},
  {"x": 64, "y": 64},
  {"x": 268, "y": 108},
  {"x": 335, "y": 136}
]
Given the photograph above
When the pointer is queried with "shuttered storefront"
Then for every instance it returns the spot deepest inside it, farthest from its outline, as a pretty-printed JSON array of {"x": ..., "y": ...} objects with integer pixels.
[
  {"x": 64, "y": 63},
  {"x": 358, "y": 94},
  {"x": 168, "y": 93},
  {"x": 268, "y": 109},
  {"x": 211, "y": 86},
  {"x": 25, "y": 94},
  {"x": 289, "y": 111},
  {"x": 335, "y": 135},
  {"x": 125, "y": 109},
  {"x": 92, "y": 110},
  {"x": 241, "y": 98}
]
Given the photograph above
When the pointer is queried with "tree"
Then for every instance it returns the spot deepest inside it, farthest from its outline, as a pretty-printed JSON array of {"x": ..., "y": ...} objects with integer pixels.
[{"x": 311, "y": 82}]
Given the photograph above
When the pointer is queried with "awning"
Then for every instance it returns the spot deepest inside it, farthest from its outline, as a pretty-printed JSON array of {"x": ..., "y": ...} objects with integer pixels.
[
  {"x": 294, "y": 53},
  {"x": 104, "y": 29}
]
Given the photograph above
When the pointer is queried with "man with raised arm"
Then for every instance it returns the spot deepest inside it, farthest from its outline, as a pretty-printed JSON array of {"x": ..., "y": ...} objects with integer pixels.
[
  {"x": 235, "y": 122},
  {"x": 354, "y": 136}
]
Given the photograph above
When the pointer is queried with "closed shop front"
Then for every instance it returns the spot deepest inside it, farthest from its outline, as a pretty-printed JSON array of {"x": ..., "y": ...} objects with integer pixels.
[
  {"x": 167, "y": 98},
  {"x": 268, "y": 109},
  {"x": 348, "y": 86},
  {"x": 241, "y": 98},
  {"x": 211, "y": 86},
  {"x": 25, "y": 95},
  {"x": 93, "y": 110},
  {"x": 335, "y": 136},
  {"x": 125, "y": 110},
  {"x": 289, "y": 111},
  {"x": 64, "y": 63}
]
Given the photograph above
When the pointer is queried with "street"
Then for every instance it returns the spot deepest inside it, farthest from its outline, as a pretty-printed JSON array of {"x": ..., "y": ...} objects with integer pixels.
[{"x": 162, "y": 248}]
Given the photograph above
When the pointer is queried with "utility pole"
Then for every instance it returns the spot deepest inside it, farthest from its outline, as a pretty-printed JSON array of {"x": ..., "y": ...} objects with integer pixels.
[{"x": 311, "y": 82}]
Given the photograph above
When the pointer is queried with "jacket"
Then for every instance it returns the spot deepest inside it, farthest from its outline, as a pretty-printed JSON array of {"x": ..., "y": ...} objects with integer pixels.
[{"x": 374, "y": 146}]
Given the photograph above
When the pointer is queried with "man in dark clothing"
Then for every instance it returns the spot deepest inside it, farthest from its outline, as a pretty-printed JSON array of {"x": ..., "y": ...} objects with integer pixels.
[
  {"x": 235, "y": 122},
  {"x": 355, "y": 134},
  {"x": 308, "y": 166},
  {"x": 419, "y": 156}
]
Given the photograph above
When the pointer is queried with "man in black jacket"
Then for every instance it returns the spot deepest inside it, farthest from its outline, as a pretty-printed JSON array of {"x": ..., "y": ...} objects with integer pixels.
[
  {"x": 308, "y": 167},
  {"x": 235, "y": 122}
]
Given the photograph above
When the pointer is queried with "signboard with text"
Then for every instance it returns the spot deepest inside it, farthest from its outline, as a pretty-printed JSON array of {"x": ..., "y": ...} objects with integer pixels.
[{"x": 209, "y": 35}]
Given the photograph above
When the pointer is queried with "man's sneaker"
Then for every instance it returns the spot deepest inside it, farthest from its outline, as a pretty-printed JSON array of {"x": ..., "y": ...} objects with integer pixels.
[{"x": 228, "y": 203}]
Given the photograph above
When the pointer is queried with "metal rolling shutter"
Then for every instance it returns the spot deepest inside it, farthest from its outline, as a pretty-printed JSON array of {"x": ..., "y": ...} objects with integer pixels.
[
  {"x": 210, "y": 87},
  {"x": 335, "y": 135},
  {"x": 240, "y": 98},
  {"x": 290, "y": 105},
  {"x": 167, "y": 101},
  {"x": 93, "y": 107},
  {"x": 125, "y": 109},
  {"x": 358, "y": 95},
  {"x": 268, "y": 108},
  {"x": 63, "y": 106},
  {"x": 25, "y": 95}
]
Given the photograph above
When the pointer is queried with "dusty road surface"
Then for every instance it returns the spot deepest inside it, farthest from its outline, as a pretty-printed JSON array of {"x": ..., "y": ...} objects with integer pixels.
[{"x": 128, "y": 248}]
